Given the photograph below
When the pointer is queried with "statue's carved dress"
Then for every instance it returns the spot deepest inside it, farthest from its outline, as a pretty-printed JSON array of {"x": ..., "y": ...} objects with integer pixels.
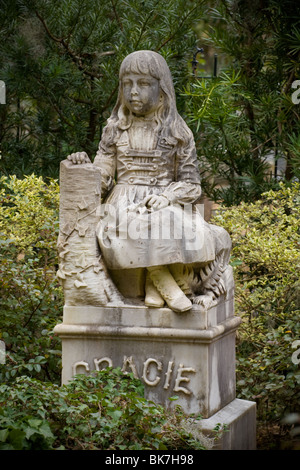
[{"x": 146, "y": 165}]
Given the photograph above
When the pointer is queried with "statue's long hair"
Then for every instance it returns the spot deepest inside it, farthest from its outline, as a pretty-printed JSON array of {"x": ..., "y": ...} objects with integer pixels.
[{"x": 170, "y": 125}]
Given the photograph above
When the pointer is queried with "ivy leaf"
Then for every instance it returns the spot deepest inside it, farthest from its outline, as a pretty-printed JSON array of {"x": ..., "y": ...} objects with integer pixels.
[{"x": 3, "y": 434}]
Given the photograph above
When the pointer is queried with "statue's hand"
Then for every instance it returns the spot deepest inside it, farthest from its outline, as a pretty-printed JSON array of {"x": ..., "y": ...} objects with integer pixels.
[
  {"x": 78, "y": 158},
  {"x": 156, "y": 202}
]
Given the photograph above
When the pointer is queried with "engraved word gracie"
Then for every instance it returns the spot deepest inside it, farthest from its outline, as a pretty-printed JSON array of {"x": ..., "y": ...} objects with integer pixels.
[{"x": 151, "y": 374}]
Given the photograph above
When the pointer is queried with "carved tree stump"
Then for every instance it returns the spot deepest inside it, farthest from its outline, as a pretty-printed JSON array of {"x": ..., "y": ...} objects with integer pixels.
[{"x": 82, "y": 272}]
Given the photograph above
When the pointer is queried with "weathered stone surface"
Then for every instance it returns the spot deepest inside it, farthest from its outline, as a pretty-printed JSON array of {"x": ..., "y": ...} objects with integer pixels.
[
  {"x": 191, "y": 355},
  {"x": 82, "y": 272},
  {"x": 238, "y": 419}
]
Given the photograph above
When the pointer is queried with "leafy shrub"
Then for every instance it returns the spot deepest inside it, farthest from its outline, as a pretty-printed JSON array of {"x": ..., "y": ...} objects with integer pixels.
[
  {"x": 266, "y": 260},
  {"x": 103, "y": 411},
  {"x": 234, "y": 157},
  {"x": 31, "y": 299}
]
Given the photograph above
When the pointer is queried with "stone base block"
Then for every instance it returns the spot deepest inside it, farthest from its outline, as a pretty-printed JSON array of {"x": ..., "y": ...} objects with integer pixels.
[
  {"x": 239, "y": 419},
  {"x": 189, "y": 355}
]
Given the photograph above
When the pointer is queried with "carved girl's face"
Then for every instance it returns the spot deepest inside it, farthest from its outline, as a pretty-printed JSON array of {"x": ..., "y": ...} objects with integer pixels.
[{"x": 141, "y": 93}]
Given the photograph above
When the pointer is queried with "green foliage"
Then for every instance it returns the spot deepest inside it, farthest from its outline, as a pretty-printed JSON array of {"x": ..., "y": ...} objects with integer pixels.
[
  {"x": 266, "y": 261},
  {"x": 246, "y": 115},
  {"x": 31, "y": 298},
  {"x": 60, "y": 62},
  {"x": 103, "y": 411},
  {"x": 230, "y": 167}
]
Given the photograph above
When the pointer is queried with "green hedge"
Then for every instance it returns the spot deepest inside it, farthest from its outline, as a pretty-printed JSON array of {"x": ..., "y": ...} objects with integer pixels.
[
  {"x": 103, "y": 411},
  {"x": 266, "y": 262},
  {"x": 31, "y": 298}
]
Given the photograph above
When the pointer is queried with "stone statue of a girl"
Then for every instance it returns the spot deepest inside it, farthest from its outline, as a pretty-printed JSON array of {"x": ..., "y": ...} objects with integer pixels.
[{"x": 150, "y": 187}]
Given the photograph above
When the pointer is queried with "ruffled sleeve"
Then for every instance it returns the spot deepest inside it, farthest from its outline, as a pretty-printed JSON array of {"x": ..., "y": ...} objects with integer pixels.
[
  {"x": 182, "y": 193},
  {"x": 186, "y": 188}
]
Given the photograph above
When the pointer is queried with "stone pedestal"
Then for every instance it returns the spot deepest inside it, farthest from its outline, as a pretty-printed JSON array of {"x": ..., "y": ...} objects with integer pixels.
[
  {"x": 238, "y": 420},
  {"x": 189, "y": 355}
]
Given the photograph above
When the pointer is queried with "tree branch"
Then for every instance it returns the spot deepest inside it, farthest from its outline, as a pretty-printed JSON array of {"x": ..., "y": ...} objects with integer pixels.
[
  {"x": 145, "y": 24},
  {"x": 231, "y": 15},
  {"x": 116, "y": 15},
  {"x": 75, "y": 58},
  {"x": 178, "y": 29}
]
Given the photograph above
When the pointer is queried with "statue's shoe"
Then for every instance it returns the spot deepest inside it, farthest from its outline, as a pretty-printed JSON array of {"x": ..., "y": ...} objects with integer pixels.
[
  {"x": 153, "y": 298},
  {"x": 179, "y": 303}
]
